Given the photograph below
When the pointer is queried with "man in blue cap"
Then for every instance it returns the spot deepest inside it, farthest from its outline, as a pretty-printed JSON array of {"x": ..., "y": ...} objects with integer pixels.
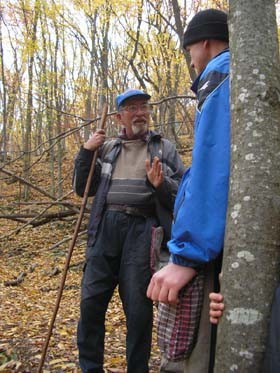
[{"x": 135, "y": 182}]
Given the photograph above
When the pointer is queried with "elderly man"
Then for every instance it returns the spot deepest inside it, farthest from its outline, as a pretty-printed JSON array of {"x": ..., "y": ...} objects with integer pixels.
[{"x": 135, "y": 183}]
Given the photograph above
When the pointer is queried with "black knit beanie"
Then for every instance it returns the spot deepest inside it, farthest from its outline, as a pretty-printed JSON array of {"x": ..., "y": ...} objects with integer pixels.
[{"x": 207, "y": 24}]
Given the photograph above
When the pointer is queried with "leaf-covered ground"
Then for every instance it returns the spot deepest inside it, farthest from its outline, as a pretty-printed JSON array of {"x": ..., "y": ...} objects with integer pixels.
[
  {"x": 30, "y": 274},
  {"x": 26, "y": 307}
]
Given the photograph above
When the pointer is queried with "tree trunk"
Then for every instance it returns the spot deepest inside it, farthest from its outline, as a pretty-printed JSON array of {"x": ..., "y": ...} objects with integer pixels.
[
  {"x": 48, "y": 93},
  {"x": 180, "y": 33},
  {"x": 3, "y": 135},
  {"x": 104, "y": 57},
  {"x": 29, "y": 109},
  {"x": 92, "y": 64},
  {"x": 251, "y": 263},
  {"x": 58, "y": 115}
]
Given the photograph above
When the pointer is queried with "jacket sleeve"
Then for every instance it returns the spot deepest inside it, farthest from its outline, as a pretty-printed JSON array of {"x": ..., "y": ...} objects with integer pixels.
[
  {"x": 201, "y": 204},
  {"x": 173, "y": 170},
  {"x": 81, "y": 170}
]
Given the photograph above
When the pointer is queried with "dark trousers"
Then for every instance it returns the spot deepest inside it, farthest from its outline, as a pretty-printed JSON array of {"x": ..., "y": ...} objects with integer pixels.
[{"x": 120, "y": 256}]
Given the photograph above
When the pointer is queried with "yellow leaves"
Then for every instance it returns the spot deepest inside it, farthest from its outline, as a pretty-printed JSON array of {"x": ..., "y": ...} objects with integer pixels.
[
  {"x": 57, "y": 361},
  {"x": 61, "y": 363},
  {"x": 130, "y": 8},
  {"x": 68, "y": 365},
  {"x": 115, "y": 361},
  {"x": 89, "y": 7},
  {"x": 64, "y": 331},
  {"x": 52, "y": 9}
]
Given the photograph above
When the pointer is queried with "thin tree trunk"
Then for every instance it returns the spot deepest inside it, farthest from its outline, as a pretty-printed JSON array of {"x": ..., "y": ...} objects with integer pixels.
[
  {"x": 28, "y": 119},
  {"x": 3, "y": 138},
  {"x": 92, "y": 52},
  {"x": 58, "y": 106},
  {"x": 251, "y": 263},
  {"x": 104, "y": 59},
  {"x": 180, "y": 32}
]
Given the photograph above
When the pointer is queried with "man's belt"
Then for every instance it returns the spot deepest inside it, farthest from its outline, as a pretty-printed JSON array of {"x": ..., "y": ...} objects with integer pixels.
[{"x": 133, "y": 210}]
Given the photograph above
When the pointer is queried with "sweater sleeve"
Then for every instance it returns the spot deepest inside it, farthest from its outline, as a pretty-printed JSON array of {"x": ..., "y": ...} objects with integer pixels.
[{"x": 201, "y": 204}]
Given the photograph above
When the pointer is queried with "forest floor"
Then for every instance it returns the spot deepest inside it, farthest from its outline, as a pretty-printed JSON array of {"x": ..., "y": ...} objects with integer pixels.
[{"x": 31, "y": 268}]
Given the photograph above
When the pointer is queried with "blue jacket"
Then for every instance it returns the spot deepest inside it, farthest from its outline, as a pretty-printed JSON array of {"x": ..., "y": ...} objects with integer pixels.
[{"x": 200, "y": 208}]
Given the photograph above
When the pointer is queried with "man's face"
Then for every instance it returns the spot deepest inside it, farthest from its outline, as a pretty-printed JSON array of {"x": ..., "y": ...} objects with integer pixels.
[
  {"x": 135, "y": 116},
  {"x": 199, "y": 55}
]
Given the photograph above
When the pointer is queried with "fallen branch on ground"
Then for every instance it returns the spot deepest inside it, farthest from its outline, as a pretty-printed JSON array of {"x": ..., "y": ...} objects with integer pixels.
[{"x": 17, "y": 281}]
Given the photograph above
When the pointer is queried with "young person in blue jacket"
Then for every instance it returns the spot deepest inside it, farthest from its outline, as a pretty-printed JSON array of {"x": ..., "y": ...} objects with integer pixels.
[{"x": 200, "y": 208}]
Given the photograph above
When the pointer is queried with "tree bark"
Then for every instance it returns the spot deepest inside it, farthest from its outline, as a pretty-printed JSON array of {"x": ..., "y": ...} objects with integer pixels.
[{"x": 251, "y": 254}]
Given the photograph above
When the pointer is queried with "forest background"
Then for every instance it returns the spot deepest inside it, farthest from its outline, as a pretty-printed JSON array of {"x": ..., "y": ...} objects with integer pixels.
[{"x": 60, "y": 61}]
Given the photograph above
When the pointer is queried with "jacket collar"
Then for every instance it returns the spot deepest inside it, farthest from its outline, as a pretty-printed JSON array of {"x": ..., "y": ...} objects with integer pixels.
[{"x": 194, "y": 86}]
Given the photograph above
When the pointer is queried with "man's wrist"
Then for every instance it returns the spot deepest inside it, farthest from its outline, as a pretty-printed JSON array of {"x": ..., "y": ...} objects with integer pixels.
[{"x": 182, "y": 261}]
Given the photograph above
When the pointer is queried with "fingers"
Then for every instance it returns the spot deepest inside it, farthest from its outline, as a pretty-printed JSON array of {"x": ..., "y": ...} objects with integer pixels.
[
  {"x": 163, "y": 287},
  {"x": 163, "y": 294},
  {"x": 167, "y": 282},
  {"x": 216, "y": 307},
  {"x": 100, "y": 136},
  {"x": 147, "y": 165},
  {"x": 154, "y": 171},
  {"x": 173, "y": 296},
  {"x": 97, "y": 139},
  {"x": 160, "y": 293},
  {"x": 153, "y": 290},
  {"x": 214, "y": 320},
  {"x": 215, "y": 316},
  {"x": 150, "y": 289},
  {"x": 216, "y": 297},
  {"x": 215, "y": 313},
  {"x": 157, "y": 166}
]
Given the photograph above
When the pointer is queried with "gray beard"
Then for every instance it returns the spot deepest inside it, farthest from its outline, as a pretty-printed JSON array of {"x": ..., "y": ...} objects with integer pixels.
[{"x": 137, "y": 130}]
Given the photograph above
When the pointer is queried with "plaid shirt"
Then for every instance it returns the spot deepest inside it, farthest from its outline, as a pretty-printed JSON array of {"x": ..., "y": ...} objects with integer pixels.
[{"x": 177, "y": 325}]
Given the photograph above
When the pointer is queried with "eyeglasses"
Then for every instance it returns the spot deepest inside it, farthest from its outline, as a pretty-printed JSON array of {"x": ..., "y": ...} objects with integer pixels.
[{"x": 145, "y": 108}]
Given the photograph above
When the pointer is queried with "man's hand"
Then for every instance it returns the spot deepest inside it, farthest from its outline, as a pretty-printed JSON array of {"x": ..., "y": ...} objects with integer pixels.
[
  {"x": 166, "y": 283},
  {"x": 216, "y": 307},
  {"x": 154, "y": 172},
  {"x": 96, "y": 139}
]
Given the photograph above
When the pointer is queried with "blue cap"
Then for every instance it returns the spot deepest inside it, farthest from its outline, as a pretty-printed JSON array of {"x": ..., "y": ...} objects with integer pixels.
[{"x": 128, "y": 94}]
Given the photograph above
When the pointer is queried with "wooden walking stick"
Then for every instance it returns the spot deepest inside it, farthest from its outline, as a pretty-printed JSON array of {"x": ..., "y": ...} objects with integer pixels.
[{"x": 72, "y": 244}]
